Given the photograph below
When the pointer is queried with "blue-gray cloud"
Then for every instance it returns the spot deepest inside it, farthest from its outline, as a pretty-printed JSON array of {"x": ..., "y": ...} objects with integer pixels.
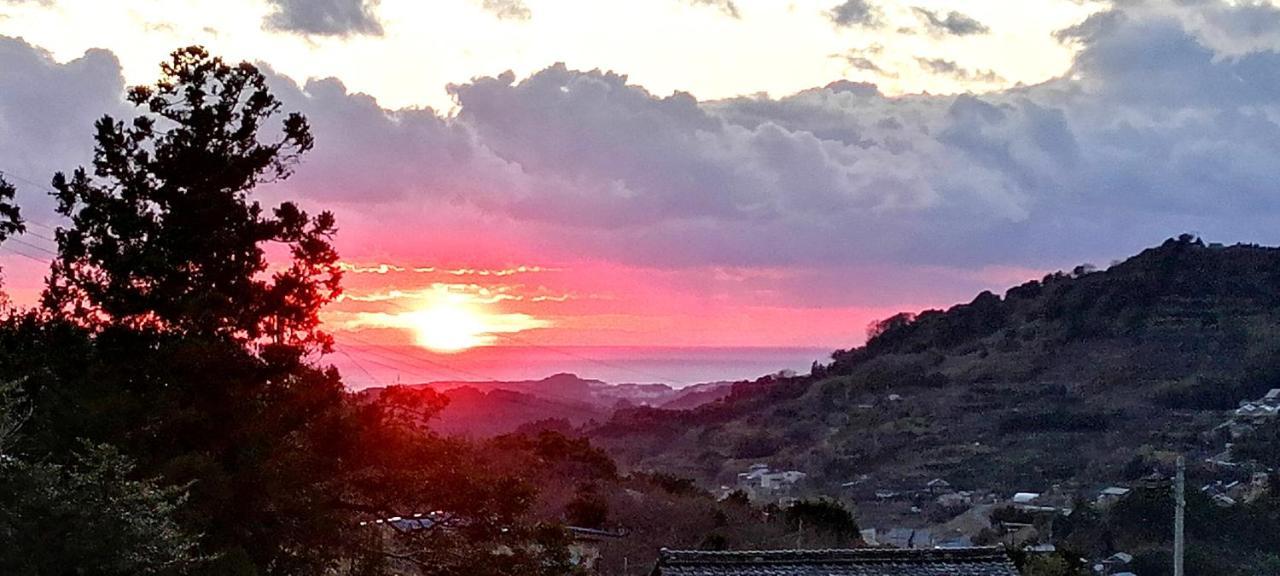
[
  {"x": 47, "y": 112},
  {"x": 1152, "y": 132},
  {"x": 952, "y": 69},
  {"x": 325, "y": 17},
  {"x": 953, "y": 23},
  {"x": 855, "y": 13}
]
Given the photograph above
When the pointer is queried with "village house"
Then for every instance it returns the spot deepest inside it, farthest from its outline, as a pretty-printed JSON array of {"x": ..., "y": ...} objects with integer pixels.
[
  {"x": 761, "y": 483},
  {"x": 585, "y": 550},
  {"x": 858, "y": 562},
  {"x": 906, "y": 538},
  {"x": 1111, "y": 495},
  {"x": 1251, "y": 412},
  {"x": 938, "y": 486},
  {"x": 955, "y": 500},
  {"x": 1114, "y": 565}
]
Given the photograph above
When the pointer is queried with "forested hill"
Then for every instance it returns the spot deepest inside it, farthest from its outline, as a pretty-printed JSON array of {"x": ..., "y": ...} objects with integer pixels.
[{"x": 1089, "y": 376}]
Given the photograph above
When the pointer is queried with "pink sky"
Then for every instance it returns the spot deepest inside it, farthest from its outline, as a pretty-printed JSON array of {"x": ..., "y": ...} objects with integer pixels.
[{"x": 652, "y": 211}]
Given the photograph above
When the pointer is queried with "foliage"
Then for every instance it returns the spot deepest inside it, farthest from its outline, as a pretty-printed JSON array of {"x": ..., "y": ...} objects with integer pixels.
[
  {"x": 87, "y": 517},
  {"x": 1056, "y": 564},
  {"x": 824, "y": 517},
  {"x": 164, "y": 235},
  {"x": 588, "y": 509},
  {"x": 1262, "y": 445},
  {"x": 166, "y": 332},
  {"x": 10, "y": 214},
  {"x": 674, "y": 485},
  {"x": 1057, "y": 420}
]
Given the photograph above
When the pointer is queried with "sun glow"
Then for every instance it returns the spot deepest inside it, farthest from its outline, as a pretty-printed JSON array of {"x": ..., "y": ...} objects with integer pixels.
[
  {"x": 449, "y": 327},
  {"x": 449, "y": 318}
]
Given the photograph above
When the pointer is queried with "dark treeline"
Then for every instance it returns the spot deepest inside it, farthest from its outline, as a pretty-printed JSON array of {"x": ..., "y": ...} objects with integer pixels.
[{"x": 162, "y": 408}]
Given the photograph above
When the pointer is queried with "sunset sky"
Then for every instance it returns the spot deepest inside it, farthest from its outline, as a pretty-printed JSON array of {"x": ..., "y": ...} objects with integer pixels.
[{"x": 688, "y": 190}]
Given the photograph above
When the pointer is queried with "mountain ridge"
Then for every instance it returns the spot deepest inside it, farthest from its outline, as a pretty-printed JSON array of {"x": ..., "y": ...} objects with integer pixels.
[
  {"x": 1127, "y": 365},
  {"x": 491, "y": 408}
]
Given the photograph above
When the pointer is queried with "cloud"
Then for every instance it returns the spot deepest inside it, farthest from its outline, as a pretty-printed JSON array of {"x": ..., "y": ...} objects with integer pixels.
[
  {"x": 507, "y": 9},
  {"x": 726, "y": 6},
  {"x": 47, "y": 112},
  {"x": 856, "y": 61},
  {"x": 944, "y": 67},
  {"x": 954, "y": 23},
  {"x": 855, "y": 13},
  {"x": 325, "y": 17},
  {"x": 1153, "y": 131}
]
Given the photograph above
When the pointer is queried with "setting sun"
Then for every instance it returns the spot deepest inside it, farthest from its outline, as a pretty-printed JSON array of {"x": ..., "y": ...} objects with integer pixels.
[
  {"x": 449, "y": 327},
  {"x": 447, "y": 318}
]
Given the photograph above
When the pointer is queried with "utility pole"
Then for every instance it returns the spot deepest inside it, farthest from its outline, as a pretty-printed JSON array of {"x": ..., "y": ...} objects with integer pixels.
[{"x": 1179, "y": 516}]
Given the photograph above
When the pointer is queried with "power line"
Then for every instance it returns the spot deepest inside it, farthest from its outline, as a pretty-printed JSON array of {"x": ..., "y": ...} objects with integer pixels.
[
  {"x": 402, "y": 358},
  {"x": 358, "y": 365},
  {"x": 33, "y": 246},
  {"x": 45, "y": 188},
  {"x": 25, "y": 255},
  {"x": 588, "y": 359},
  {"x": 20, "y": 178}
]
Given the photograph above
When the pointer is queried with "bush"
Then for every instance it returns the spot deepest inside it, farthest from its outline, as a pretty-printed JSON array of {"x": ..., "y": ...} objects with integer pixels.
[{"x": 1056, "y": 420}]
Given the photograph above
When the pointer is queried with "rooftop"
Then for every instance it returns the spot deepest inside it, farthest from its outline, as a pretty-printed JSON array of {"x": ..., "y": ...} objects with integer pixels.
[{"x": 857, "y": 562}]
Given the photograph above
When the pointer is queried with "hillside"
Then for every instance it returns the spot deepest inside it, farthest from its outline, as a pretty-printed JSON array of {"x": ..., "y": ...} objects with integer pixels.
[
  {"x": 490, "y": 408},
  {"x": 1077, "y": 379}
]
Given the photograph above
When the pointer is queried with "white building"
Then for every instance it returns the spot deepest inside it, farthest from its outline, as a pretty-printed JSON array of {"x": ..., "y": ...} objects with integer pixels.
[{"x": 761, "y": 482}]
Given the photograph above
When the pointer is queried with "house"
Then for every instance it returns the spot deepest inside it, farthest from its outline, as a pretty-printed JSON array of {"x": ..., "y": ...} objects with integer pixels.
[
  {"x": 1114, "y": 562},
  {"x": 762, "y": 483},
  {"x": 1025, "y": 497},
  {"x": 1111, "y": 495},
  {"x": 955, "y": 500},
  {"x": 960, "y": 541},
  {"x": 1267, "y": 407},
  {"x": 859, "y": 562},
  {"x": 1223, "y": 500},
  {"x": 938, "y": 486},
  {"x": 1258, "y": 410},
  {"x": 585, "y": 550},
  {"x": 907, "y": 538}
]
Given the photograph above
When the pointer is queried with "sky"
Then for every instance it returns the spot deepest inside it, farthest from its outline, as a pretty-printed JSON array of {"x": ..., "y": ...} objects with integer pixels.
[{"x": 602, "y": 186}]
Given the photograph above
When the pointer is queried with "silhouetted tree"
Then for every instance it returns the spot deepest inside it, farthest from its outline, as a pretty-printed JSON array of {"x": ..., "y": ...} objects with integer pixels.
[
  {"x": 164, "y": 235},
  {"x": 10, "y": 215},
  {"x": 588, "y": 509},
  {"x": 165, "y": 331},
  {"x": 823, "y": 517}
]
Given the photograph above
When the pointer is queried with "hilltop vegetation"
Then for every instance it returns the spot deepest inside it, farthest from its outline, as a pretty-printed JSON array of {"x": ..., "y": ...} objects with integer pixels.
[
  {"x": 1082, "y": 378},
  {"x": 563, "y": 401}
]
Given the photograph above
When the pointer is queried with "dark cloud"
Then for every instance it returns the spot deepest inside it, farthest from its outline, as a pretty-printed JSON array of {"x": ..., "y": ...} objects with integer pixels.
[
  {"x": 325, "y": 17},
  {"x": 855, "y": 13},
  {"x": 944, "y": 67},
  {"x": 726, "y": 6},
  {"x": 507, "y": 9},
  {"x": 953, "y": 23}
]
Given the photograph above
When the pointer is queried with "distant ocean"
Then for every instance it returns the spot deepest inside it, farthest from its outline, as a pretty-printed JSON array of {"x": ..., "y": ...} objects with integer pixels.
[{"x": 383, "y": 365}]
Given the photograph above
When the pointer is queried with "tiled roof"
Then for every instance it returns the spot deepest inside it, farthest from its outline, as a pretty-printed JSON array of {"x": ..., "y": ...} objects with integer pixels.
[{"x": 859, "y": 562}]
